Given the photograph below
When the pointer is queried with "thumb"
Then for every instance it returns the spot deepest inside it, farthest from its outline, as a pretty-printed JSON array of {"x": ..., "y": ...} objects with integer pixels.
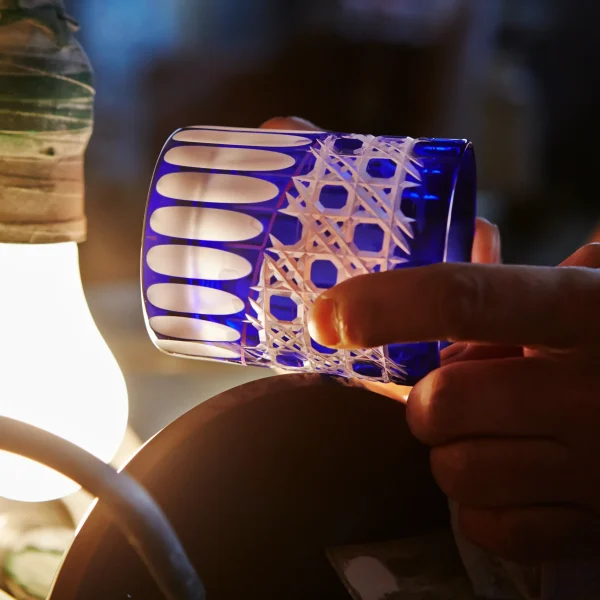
[{"x": 293, "y": 123}]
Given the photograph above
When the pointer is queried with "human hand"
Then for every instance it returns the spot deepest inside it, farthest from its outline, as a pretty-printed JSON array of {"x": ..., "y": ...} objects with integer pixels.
[{"x": 513, "y": 414}]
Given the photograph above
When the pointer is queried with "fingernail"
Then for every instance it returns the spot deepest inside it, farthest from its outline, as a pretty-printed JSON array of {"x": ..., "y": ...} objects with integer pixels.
[
  {"x": 497, "y": 244},
  {"x": 324, "y": 324},
  {"x": 492, "y": 252},
  {"x": 488, "y": 222}
]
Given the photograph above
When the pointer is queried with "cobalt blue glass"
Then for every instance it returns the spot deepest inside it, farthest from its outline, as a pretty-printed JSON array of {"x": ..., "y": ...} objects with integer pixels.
[{"x": 245, "y": 228}]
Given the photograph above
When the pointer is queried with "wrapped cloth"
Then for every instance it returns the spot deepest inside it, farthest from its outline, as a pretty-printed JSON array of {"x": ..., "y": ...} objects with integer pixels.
[{"x": 46, "y": 120}]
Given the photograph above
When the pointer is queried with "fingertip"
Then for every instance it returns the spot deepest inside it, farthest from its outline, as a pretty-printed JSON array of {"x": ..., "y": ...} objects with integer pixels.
[
  {"x": 399, "y": 393},
  {"x": 292, "y": 123},
  {"x": 417, "y": 408},
  {"x": 274, "y": 123},
  {"x": 483, "y": 222},
  {"x": 324, "y": 323},
  {"x": 487, "y": 245},
  {"x": 301, "y": 123}
]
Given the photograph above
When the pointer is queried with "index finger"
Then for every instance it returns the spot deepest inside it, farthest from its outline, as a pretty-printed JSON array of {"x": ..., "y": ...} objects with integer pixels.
[{"x": 510, "y": 305}]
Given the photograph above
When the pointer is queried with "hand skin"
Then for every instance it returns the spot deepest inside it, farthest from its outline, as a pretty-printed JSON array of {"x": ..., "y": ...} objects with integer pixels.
[{"x": 513, "y": 414}]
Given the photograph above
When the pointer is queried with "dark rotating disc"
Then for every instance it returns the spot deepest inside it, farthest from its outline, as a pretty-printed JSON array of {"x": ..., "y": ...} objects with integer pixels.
[{"x": 259, "y": 482}]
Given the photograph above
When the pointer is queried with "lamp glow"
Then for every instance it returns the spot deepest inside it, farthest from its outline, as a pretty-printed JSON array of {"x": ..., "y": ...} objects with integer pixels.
[{"x": 56, "y": 371}]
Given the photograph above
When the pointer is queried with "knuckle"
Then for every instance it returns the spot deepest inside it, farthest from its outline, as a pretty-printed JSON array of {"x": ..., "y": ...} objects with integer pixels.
[
  {"x": 430, "y": 408},
  {"x": 588, "y": 256},
  {"x": 452, "y": 468},
  {"x": 462, "y": 299}
]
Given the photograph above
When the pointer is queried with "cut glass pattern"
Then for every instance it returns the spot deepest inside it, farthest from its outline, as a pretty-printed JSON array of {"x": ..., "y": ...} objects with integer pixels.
[{"x": 291, "y": 214}]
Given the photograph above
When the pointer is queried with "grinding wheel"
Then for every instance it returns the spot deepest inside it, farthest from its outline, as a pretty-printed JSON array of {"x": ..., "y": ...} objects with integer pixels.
[{"x": 259, "y": 482}]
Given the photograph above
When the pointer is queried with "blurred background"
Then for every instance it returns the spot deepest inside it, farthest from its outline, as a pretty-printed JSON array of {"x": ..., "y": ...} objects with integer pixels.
[
  {"x": 516, "y": 76},
  {"x": 519, "y": 77}
]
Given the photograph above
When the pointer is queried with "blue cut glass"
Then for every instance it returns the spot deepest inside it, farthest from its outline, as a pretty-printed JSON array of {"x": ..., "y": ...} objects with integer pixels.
[{"x": 245, "y": 228}]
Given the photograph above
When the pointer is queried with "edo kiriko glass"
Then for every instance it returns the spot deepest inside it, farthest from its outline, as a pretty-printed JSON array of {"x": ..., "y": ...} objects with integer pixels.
[{"x": 245, "y": 228}]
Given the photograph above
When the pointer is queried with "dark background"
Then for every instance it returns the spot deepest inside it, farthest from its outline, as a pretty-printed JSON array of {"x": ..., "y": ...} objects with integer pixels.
[{"x": 519, "y": 77}]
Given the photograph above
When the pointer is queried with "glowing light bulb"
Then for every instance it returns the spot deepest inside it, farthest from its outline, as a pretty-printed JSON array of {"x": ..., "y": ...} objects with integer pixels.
[{"x": 56, "y": 371}]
